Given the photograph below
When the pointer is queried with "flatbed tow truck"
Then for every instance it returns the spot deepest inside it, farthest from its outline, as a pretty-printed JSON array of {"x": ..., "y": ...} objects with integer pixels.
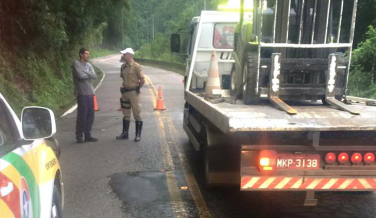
[{"x": 284, "y": 121}]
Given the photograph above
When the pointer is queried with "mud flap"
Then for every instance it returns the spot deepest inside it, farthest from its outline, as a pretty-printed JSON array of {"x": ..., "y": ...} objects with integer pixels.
[
  {"x": 222, "y": 160},
  {"x": 310, "y": 199}
]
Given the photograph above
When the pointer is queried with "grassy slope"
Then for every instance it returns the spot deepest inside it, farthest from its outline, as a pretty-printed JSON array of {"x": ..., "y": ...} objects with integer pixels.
[
  {"x": 96, "y": 53},
  {"x": 32, "y": 81}
]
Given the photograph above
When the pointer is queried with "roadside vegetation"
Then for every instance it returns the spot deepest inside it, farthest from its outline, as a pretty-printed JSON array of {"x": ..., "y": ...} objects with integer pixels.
[
  {"x": 40, "y": 39},
  {"x": 157, "y": 20},
  {"x": 363, "y": 70},
  {"x": 101, "y": 52}
]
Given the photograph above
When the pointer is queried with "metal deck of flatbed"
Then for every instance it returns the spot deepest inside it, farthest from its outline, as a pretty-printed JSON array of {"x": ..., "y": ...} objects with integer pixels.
[{"x": 230, "y": 118}]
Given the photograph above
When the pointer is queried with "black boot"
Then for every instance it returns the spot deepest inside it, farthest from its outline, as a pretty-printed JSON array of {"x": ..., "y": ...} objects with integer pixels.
[
  {"x": 124, "y": 134},
  {"x": 138, "y": 131}
]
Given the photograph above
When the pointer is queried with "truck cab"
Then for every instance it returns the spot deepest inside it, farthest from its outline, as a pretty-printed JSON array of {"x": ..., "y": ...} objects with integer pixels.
[{"x": 211, "y": 31}]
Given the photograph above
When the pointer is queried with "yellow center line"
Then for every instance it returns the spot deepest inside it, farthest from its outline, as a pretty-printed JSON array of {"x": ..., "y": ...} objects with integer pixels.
[
  {"x": 192, "y": 184},
  {"x": 177, "y": 205},
  {"x": 151, "y": 89},
  {"x": 191, "y": 181},
  {"x": 161, "y": 130}
]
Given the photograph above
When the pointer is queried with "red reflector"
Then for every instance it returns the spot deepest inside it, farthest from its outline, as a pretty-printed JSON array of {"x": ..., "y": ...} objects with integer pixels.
[
  {"x": 356, "y": 158},
  {"x": 330, "y": 158},
  {"x": 343, "y": 158},
  {"x": 267, "y": 160},
  {"x": 369, "y": 158}
]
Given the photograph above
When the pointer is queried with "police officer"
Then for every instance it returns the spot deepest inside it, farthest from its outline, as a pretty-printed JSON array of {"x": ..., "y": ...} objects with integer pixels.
[{"x": 133, "y": 80}]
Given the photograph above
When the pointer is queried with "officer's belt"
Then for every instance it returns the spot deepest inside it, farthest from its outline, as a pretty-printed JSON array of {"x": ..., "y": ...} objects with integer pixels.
[{"x": 122, "y": 90}]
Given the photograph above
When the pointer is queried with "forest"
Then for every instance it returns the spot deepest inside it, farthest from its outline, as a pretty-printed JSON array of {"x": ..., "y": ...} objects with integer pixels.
[{"x": 39, "y": 39}]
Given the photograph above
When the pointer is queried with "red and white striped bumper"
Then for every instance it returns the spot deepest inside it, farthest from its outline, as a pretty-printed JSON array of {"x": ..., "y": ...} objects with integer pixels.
[{"x": 250, "y": 183}]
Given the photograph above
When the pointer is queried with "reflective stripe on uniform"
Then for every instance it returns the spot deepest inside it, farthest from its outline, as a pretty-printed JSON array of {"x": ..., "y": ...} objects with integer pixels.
[{"x": 125, "y": 104}]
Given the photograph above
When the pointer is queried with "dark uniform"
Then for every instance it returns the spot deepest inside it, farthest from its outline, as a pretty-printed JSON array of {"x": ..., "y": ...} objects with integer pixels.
[{"x": 131, "y": 75}]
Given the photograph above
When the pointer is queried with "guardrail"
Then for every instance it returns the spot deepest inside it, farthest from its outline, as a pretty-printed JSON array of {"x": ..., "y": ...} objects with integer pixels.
[{"x": 175, "y": 67}]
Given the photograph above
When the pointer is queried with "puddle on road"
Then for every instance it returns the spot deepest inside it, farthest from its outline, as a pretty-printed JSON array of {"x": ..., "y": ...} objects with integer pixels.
[{"x": 146, "y": 194}]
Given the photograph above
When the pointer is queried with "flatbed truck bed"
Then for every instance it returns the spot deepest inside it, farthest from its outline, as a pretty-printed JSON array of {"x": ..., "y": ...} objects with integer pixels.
[{"x": 312, "y": 116}]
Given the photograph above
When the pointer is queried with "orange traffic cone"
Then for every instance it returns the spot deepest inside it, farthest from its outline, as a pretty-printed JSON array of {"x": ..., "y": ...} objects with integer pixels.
[
  {"x": 160, "y": 94},
  {"x": 160, "y": 103},
  {"x": 213, "y": 85},
  {"x": 95, "y": 104}
]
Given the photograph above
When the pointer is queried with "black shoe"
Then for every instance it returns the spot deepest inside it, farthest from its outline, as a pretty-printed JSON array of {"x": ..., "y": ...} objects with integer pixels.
[
  {"x": 90, "y": 139},
  {"x": 124, "y": 134},
  {"x": 80, "y": 140},
  {"x": 138, "y": 131}
]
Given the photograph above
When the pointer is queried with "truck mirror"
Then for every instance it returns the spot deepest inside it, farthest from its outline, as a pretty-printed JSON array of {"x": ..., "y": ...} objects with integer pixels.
[
  {"x": 37, "y": 123},
  {"x": 175, "y": 43}
]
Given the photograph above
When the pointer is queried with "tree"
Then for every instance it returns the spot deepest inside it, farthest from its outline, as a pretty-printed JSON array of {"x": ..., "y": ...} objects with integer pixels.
[
  {"x": 365, "y": 18},
  {"x": 363, "y": 70}
]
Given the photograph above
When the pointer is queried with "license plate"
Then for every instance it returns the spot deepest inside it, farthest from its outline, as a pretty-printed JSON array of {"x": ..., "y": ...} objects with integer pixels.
[{"x": 298, "y": 161}]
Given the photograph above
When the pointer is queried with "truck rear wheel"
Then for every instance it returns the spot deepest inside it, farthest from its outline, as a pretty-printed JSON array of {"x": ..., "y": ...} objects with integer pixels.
[
  {"x": 206, "y": 158},
  {"x": 250, "y": 93},
  {"x": 235, "y": 84}
]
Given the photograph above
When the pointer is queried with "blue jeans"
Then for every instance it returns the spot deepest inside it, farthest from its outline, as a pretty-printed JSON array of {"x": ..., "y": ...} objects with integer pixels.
[{"x": 85, "y": 115}]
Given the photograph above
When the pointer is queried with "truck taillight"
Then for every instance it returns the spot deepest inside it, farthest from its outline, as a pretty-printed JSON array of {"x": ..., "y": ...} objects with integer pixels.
[
  {"x": 369, "y": 158},
  {"x": 343, "y": 158},
  {"x": 330, "y": 158},
  {"x": 356, "y": 158},
  {"x": 267, "y": 160}
]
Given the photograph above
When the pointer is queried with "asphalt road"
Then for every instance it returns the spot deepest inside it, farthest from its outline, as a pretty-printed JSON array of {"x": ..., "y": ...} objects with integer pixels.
[{"x": 162, "y": 176}]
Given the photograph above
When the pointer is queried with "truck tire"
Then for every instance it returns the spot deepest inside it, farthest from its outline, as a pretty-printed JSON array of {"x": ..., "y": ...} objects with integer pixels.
[
  {"x": 206, "y": 158},
  {"x": 235, "y": 83},
  {"x": 249, "y": 81}
]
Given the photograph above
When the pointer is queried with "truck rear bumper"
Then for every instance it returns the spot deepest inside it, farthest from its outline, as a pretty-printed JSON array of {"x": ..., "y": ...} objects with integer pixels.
[{"x": 285, "y": 183}]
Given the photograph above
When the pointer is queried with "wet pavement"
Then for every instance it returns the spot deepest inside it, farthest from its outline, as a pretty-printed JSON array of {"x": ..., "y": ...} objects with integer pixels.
[
  {"x": 145, "y": 194},
  {"x": 162, "y": 176}
]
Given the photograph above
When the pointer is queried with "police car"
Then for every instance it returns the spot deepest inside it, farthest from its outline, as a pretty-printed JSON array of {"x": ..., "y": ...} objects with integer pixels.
[{"x": 30, "y": 177}]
